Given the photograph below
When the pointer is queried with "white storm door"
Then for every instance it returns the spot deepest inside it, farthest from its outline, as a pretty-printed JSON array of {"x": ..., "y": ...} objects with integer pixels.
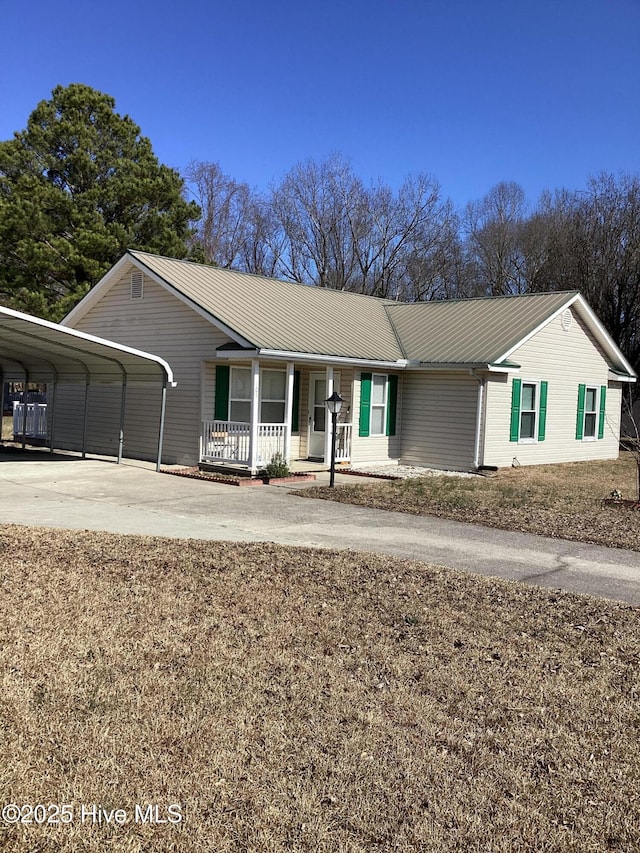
[
  {"x": 319, "y": 420},
  {"x": 317, "y": 414}
]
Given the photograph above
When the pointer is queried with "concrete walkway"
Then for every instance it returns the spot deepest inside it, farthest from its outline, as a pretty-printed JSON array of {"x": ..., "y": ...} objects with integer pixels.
[{"x": 68, "y": 492}]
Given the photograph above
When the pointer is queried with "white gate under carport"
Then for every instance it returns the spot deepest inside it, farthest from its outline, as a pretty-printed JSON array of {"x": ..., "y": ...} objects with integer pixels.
[{"x": 35, "y": 350}]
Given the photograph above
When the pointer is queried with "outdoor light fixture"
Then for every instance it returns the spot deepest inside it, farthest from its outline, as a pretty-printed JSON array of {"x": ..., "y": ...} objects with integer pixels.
[{"x": 334, "y": 404}]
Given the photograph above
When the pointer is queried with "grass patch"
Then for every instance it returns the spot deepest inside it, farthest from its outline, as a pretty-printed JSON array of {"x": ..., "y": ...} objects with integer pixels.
[
  {"x": 296, "y": 699},
  {"x": 564, "y": 501}
]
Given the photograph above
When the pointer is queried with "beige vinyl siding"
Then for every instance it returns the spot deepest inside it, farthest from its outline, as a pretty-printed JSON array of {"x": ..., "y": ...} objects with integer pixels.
[
  {"x": 160, "y": 324},
  {"x": 69, "y": 413},
  {"x": 439, "y": 420},
  {"x": 564, "y": 359},
  {"x": 374, "y": 448}
]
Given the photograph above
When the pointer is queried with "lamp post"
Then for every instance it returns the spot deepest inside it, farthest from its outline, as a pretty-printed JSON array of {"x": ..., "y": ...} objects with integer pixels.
[{"x": 334, "y": 404}]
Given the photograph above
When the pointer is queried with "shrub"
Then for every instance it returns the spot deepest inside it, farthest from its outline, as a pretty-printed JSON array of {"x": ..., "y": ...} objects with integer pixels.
[{"x": 277, "y": 467}]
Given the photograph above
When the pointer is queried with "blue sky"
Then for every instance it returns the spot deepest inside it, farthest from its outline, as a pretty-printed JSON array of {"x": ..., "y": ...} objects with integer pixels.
[{"x": 544, "y": 93}]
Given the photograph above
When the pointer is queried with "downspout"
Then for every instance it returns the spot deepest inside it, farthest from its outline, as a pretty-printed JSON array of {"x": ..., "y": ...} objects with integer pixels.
[{"x": 479, "y": 412}]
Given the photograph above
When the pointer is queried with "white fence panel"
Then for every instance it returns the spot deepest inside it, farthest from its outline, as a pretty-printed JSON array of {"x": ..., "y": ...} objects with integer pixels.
[{"x": 36, "y": 419}]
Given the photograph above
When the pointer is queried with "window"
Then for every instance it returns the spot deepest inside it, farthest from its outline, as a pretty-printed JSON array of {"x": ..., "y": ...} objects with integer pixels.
[
  {"x": 240, "y": 395},
  {"x": 528, "y": 410},
  {"x": 378, "y": 404},
  {"x": 590, "y": 408},
  {"x": 592, "y": 401},
  {"x": 272, "y": 395},
  {"x": 272, "y": 404}
]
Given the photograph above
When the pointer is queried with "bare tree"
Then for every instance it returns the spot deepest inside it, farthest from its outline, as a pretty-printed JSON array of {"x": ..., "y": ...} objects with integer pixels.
[
  {"x": 493, "y": 227},
  {"x": 339, "y": 233},
  {"x": 226, "y": 206}
]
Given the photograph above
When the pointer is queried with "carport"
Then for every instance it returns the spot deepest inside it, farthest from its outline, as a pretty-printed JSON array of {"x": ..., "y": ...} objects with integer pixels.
[{"x": 35, "y": 350}]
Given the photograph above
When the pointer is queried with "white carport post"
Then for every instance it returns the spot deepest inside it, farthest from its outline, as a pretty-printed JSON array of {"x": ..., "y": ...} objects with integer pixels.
[
  {"x": 24, "y": 409},
  {"x": 163, "y": 406},
  {"x": 255, "y": 415},
  {"x": 288, "y": 412},
  {"x": 123, "y": 402},
  {"x": 51, "y": 421},
  {"x": 327, "y": 431},
  {"x": 85, "y": 414}
]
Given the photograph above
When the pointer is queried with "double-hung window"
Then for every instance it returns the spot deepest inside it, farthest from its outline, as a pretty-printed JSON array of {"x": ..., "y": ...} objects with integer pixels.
[
  {"x": 378, "y": 404},
  {"x": 591, "y": 412},
  {"x": 528, "y": 410},
  {"x": 272, "y": 396},
  {"x": 240, "y": 395}
]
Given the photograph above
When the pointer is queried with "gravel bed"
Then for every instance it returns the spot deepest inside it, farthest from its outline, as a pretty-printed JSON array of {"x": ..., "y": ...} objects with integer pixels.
[{"x": 407, "y": 472}]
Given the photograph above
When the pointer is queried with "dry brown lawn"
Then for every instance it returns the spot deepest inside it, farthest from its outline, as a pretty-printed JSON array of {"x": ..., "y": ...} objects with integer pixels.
[
  {"x": 563, "y": 501},
  {"x": 302, "y": 700},
  {"x": 7, "y": 428}
]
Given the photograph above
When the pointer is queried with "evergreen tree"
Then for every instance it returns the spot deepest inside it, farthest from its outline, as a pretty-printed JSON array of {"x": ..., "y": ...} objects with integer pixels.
[{"x": 78, "y": 187}]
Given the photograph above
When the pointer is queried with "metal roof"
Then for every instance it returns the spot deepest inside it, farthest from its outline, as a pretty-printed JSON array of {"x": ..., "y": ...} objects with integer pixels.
[
  {"x": 471, "y": 330},
  {"x": 43, "y": 349},
  {"x": 283, "y": 315}
]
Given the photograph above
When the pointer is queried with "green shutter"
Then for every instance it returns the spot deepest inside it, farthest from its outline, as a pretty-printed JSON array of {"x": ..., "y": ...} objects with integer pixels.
[
  {"x": 221, "y": 409},
  {"x": 365, "y": 403},
  {"x": 603, "y": 406},
  {"x": 515, "y": 410},
  {"x": 542, "y": 416},
  {"x": 580, "y": 418},
  {"x": 295, "y": 407},
  {"x": 392, "y": 404}
]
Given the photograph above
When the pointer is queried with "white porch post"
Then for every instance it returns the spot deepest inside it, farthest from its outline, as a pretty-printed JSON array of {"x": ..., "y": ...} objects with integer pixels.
[
  {"x": 327, "y": 430},
  {"x": 255, "y": 415},
  {"x": 288, "y": 412}
]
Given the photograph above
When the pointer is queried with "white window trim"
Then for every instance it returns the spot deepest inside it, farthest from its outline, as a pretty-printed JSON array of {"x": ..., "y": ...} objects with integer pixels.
[
  {"x": 261, "y": 399},
  {"x": 536, "y": 411},
  {"x": 282, "y": 400},
  {"x": 382, "y": 406},
  {"x": 596, "y": 411},
  {"x": 233, "y": 399}
]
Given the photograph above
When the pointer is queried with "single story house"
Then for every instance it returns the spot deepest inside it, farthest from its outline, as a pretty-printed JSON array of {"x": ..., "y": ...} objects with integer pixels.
[{"x": 460, "y": 384}]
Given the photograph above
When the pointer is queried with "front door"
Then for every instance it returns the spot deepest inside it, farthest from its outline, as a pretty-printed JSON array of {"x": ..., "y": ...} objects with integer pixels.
[{"x": 318, "y": 412}]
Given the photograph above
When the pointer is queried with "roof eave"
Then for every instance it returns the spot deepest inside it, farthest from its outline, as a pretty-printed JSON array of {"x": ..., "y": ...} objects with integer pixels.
[
  {"x": 488, "y": 367},
  {"x": 308, "y": 357}
]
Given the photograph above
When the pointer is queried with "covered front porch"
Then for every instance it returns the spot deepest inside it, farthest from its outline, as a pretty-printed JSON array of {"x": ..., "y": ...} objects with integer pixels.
[{"x": 266, "y": 410}]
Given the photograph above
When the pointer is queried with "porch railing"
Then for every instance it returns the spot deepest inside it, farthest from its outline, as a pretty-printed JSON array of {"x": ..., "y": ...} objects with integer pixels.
[
  {"x": 36, "y": 419},
  {"x": 230, "y": 441},
  {"x": 343, "y": 442}
]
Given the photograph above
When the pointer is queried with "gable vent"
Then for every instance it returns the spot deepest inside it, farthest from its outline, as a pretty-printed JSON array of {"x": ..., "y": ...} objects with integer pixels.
[
  {"x": 567, "y": 319},
  {"x": 137, "y": 280}
]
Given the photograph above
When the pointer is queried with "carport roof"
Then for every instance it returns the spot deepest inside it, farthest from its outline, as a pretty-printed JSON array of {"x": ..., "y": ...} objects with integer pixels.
[{"x": 43, "y": 349}]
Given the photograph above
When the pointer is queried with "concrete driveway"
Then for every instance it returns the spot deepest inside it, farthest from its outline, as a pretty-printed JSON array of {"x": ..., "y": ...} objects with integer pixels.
[{"x": 91, "y": 494}]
